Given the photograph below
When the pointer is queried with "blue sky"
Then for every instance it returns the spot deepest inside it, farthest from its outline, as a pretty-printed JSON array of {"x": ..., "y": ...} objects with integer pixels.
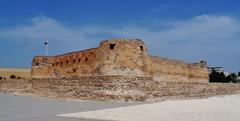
[{"x": 189, "y": 30}]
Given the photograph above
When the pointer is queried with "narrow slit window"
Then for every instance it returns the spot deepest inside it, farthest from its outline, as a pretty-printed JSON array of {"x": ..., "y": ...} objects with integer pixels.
[
  {"x": 112, "y": 46},
  {"x": 141, "y": 48},
  {"x": 86, "y": 59},
  {"x": 37, "y": 64},
  {"x": 74, "y": 70},
  {"x": 74, "y": 61},
  {"x": 79, "y": 60},
  {"x": 66, "y": 62}
]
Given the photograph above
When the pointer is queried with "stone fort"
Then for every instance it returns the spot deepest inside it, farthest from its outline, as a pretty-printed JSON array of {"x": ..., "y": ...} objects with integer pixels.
[
  {"x": 118, "y": 57},
  {"x": 117, "y": 70}
]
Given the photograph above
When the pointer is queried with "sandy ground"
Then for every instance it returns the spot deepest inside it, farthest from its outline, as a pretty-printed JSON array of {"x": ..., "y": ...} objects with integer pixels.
[
  {"x": 220, "y": 108},
  {"x": 28, "y": 108}
]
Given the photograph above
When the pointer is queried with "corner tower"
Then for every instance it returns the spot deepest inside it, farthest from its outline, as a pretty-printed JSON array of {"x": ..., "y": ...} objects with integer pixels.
[{"x": 127, "y": 57}]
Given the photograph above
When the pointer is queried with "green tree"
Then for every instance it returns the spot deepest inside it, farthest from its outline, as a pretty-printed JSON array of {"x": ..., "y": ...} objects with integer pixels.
[
  {"x": 232, "y": 78},
  {"x": 228, "y": 78},
  {"x": 12, "y": 77},
  {"x": 217, "y": 77},
  {"x": 239, "y": 73}
]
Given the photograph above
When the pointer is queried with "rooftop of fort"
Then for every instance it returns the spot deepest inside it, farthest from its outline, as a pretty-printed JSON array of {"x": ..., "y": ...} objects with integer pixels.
[
  {"x": 101, "y": 43},
  {"x": 121, "y": 40},
  {"x": 124, "y": 40}
]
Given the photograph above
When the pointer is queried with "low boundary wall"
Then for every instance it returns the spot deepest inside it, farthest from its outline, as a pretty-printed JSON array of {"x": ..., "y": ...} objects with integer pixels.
[{"x": 118, "y": 88}]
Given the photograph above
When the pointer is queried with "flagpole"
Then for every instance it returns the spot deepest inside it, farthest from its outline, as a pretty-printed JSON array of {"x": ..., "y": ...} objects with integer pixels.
[{"x": 46, "y": 47}]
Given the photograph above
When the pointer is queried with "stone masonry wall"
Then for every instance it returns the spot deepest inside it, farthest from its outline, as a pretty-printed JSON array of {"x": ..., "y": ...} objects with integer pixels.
[
  {"x": 66, "y": 65},
  {"x": 163, "y": 69},
  {"x": 117, "y": 88},
  {"x": 15, "y": 85},
  {"x": 118, "y": 57},
  {"x": 122, "y": 57},
  {"x": 120, "y": 88}
]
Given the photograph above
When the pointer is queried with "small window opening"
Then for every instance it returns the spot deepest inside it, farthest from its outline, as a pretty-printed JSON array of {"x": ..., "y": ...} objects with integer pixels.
[
  {"x": 79, "y": 60},
  {"x": 74, "y": 70},
  {"x": 111, "y": 46},
  {"x": 61, "y": 63},
  {"x": 37, "y": 64},
  {"x": 66, "y": 62},
  {"x": 56, "y": 63},
  {"x": 74, "y": 61},
  {"x": 53, "y": 64},
  {"x": 86, "y": 59},
  {"x": 141, "y": 47}
]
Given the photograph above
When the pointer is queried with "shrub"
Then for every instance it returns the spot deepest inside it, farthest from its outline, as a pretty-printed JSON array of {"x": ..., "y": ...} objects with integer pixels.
[
  {"x": 12, "y": 77},
  {"x": 220, "y": 77},
  {"x": 217, "y": 77},
  {"x": 232, "y": 78},
  {"x": 1, "y": 78}
]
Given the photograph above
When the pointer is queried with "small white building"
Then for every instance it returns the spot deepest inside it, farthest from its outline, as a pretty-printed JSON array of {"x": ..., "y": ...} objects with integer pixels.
[
  {"x": 218, "y": 69},
  {"x": 238, "y": 78}
]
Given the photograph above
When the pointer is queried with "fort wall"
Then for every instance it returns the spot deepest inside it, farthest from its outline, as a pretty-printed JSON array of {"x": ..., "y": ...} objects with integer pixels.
[
  {"x": 15, "y": 85},
  {"x": 116, "y": 88},
  {"x": 125, "y": 57},
  {"x": 79, "y": 63},
  {"x": 119, "y": 88}
]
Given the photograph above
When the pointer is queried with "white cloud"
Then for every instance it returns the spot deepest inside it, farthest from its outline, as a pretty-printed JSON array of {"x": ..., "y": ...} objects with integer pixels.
[
  {"x": 161, "y": 8},
  {"x": 41, "y": 28},
  {"x": 214, "y": 38}
]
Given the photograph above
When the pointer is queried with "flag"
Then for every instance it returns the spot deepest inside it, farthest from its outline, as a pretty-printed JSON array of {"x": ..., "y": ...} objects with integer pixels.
[{"x": 46, "y": 43}]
